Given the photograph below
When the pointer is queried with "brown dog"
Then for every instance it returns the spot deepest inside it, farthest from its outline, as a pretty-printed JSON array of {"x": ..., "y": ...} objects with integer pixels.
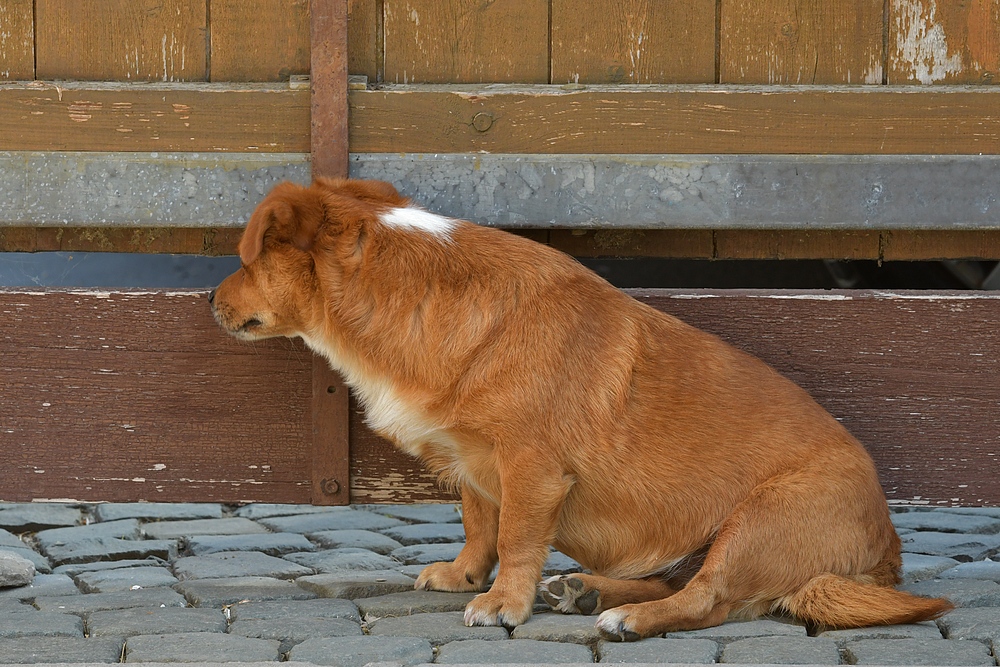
[{"x": 694, "y": 482}]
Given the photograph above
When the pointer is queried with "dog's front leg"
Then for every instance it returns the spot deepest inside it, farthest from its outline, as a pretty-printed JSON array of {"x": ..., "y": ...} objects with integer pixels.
[
  {"x": 532, "y": 498},
  {"x": 475, "y": 561}
]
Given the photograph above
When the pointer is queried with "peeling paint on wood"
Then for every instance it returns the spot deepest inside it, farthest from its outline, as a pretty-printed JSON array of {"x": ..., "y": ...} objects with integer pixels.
[{"x": 17, "y": 43}]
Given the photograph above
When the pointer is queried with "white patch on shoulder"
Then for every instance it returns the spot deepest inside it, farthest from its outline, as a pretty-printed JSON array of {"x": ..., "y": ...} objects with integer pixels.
[{"x": 412, "y": 217}]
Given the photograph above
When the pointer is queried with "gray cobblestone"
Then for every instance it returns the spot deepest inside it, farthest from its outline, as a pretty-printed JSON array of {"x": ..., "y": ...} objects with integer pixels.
[
  {"x": 125, "y": 529},
  {"x": 157, "y": 511},
  {"x": 41, "y": 624},
  {"x": 43, "y": 585},
  {"x": 84, "y": 550},
  {"x": 425, "y": 554},
  {"x": 74, "y": 569},
  {"x": 659, "y": 650},
  {"x": 435, "y": 627},
  {"x": 31, "y": 650},
  {"x": 982, "y": 624},
  {"x": 962, "y": 592},
  {"x": 154, "y": 621},
  {"x": 947, "y": 522},
  {"x": 782, "y": 651},
  {"x": 356, "y": 539},
  {"x": 272, "y": 544},
  {"x": 315, "y": 608},
  {"x": 351, "y": 584},
  {"x": 199, "y": 647},
  {"x": 334, "y": 560},
  {"x": 553, "y": 627},
  {"x": 919, "y": 567},
  {"x": 268, "y": 510},
  {"x": 33, "y": 517},
  {"x": 429, "y": 513},
  {"x": 735, "y": 631},
  {"x": 412, "y": 602},
  {"x": 359, "y": 651},
  {"x": 986, "y": 569},
  {"x": 346, "y": 519},
  {"x": 292, "y": 631},
  {"x": 524, "y": 651},
  {"x": 218, "y": 592},
  {"x": 15, "y": 569},
  {"x": 926, "y": 630},
  {"x": 85, "y": 604},
  {"x": 40, "y": 562},
  {"x": 237, "y": 564},
  {"x": 916, "y": 652},
  {"x": 427, "y": 533},
  {"x": 124, "y": 579},
  {"x": 961, "y": 547},
  {"x": 173, "y": 530}
]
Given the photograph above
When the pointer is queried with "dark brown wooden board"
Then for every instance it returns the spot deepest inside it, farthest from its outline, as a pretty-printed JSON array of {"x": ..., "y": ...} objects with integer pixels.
[
  {"x": 132, "y": 396},
  {"x": 507, "y": 119},
  {"x": 897, "y": 245},
  {"x": 129, "y": 396}
]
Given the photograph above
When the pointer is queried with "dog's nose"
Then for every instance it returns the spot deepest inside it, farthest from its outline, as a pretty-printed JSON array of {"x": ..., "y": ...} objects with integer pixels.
[{"x": 211, "y": 296}]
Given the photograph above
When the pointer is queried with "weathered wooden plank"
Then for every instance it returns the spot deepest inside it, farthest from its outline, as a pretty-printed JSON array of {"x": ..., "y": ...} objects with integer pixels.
[
  {"x": 264, "y": 40},
  {"x": 895, "y": 245},
  {"x": 466, "y": 41},
  {"x": 140, "y": 396},
  {"x": 911, "y": 375},
  {"x": 801, "y": 42},
  {"x": 154, "y": 117},
  {"x": 798, "y": 244},
  {"x": 121, "y": 40},
  {"x": 507, "y": 119},
  {"x": 944, "y": 42},
  {"x": 17, "y": 40},
  {"x": 633, "y": 41},
  {"x": 127, "y": 396},
  {"x": 647, "y": 120},
  {"x": 364, "y": 39}
]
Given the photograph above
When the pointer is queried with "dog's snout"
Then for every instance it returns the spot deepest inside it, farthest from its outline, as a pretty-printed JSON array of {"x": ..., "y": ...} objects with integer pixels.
[{"x": 211, "y": 297}]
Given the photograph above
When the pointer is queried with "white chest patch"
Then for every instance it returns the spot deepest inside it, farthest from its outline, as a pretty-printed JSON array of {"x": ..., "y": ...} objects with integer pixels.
[{"x": 419, "y": 219}]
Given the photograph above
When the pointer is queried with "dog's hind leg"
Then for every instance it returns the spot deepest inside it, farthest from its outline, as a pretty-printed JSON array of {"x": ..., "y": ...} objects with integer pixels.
[
  {"x": 591, "y": 594},
  {"x": 472, "y": 567}
]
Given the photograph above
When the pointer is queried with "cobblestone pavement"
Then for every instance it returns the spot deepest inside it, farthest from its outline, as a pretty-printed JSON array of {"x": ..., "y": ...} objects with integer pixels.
[{"x": 148, "y": 582}]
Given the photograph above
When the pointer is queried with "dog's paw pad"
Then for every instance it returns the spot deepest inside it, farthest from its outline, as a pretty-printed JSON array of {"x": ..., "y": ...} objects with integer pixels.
[{"x": 569, "y": 595}]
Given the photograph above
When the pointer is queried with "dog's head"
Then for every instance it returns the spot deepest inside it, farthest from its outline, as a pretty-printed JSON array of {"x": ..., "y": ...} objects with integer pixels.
[{"x": 297, "y": 238}]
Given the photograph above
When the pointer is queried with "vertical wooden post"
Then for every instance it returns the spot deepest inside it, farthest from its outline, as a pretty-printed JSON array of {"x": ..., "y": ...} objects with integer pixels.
[{"x": 328, "y": 145}]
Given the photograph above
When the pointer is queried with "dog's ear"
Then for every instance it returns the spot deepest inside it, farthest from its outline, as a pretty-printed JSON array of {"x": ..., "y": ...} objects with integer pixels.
[{"x": 290, "y": 213}]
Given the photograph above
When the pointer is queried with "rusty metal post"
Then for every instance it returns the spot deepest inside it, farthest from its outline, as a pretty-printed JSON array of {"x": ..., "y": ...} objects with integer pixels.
[{"x": 328, "y": 145}]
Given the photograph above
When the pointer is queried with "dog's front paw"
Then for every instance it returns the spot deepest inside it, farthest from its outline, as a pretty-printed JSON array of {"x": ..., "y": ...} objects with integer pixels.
[
  {"x": 446, "y": 577},
  {"x": 570, "y": 595},
  {"x": 615, "y": 625},
  {"x": 494, "y": 609}
]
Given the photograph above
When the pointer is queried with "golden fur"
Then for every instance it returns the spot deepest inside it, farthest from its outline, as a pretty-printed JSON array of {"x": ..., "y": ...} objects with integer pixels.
[{"x": 693, "y": 481}]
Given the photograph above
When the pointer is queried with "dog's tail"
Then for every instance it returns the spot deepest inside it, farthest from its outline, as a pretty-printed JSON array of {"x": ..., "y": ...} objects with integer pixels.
[{"x": 833, "y": 601}]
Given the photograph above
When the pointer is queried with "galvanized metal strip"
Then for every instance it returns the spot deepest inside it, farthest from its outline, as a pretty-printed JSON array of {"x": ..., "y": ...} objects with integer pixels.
[{"x": 522, "y": 191}]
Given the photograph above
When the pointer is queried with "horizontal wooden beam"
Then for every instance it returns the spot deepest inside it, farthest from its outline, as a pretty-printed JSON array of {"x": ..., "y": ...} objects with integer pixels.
[
  {"x": 853, "y": 120},
  {"x": 140, "y": 396},
  {"x": 900, "y": 245}
]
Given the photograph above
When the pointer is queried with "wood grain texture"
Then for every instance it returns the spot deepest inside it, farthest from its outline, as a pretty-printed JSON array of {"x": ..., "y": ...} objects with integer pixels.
[
  {"x": 121, "y": 40},
  {"x": 328, "y": 110},
  {"x": 896, "y": 245},
  {"x": 466, "y": 41},
  {"x": 944, "y": 42},
  {"x": 517, "y": 119},
  {"x": 801, "y": 42},
  {"x": 364, "y": 44},
  {"x": 128, "y": 396},
  {"x": 140, "y": 396},
  {"x": 633, "y": 41},
  {"x": 154, "y": 117},
  {"x": 649, "y": 120},
  {"x": 17, "y": 40},
  {"x": 264, "y": 40}
]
